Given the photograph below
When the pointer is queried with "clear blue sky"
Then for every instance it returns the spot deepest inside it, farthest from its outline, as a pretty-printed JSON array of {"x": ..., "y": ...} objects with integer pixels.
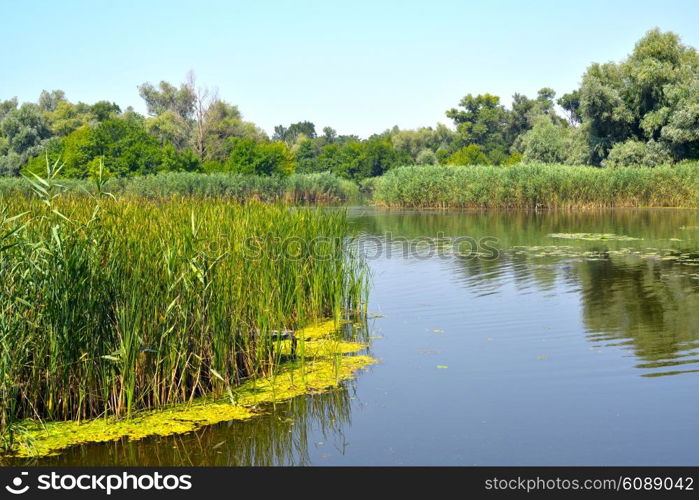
[{"x": 359, "y": 66}]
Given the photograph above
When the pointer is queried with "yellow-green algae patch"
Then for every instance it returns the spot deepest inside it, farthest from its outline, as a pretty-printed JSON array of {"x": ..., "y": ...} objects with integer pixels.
[{"x": 325, "y": 366}]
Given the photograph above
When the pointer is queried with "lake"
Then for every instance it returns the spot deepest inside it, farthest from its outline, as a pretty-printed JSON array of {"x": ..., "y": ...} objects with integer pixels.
[{"x": 570, "y": 338}]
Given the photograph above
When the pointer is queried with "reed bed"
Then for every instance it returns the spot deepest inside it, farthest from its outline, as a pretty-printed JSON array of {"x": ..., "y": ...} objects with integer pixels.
[
  {"x": 538, "y": 185},
  {"x": 318, "y": 188},
  {"x": 110, "y": 305}
]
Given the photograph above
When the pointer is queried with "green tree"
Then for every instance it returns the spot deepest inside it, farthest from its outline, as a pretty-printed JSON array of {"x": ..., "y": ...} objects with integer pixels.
[
  {"x": 260, "y": 158},
  {"x": 482, "y": 121},
  {"x": 123, "y": 145},
  {"x": 24, "y": 132},
  {"x": 649, "y": 96},
  {"x": 166, "y": 97},
  {"x": 294, "y": 131},
  {"x": 635, "y": 153},
  {"x": 224, "y": 121},
  {"x": 472, "y": 154},
  {"x": 571, "y": 105},
  {"x": 545, "y": 142},
  {"x": 526, "y": 112},
  {"x": 426, "y": 157}
]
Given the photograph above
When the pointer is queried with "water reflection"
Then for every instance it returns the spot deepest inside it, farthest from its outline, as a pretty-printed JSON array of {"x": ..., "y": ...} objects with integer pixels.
[
  {"x": 281, "y": 435},
  {"x": 634, "y": 295},
  {"x": 652, "y": 304}
]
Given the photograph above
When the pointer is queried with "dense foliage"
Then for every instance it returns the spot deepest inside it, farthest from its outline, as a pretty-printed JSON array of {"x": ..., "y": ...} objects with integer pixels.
[
  {"x": 296, "y": 188},
  {"x": 640, "y": 111},
  {"x": 538, "y": 185},
  {"x": 111, "y": 305}
]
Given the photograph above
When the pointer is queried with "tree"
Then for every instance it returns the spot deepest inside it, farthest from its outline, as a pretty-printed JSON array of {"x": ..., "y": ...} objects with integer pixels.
[
  {"x": 472, "y": 154},
  {"x": 49, "y": 101},
  {"x": 329, "y": 134},
  {"x": 7, "y": 106},
  {"x": 545, "y": 142},
  {"x": 412, "y": 142},
  {"x": 343, "y": 159},
  {"x": 122, "y": 144},
  {"x": 64, "y": 116},
  {"x": 104, "y": 110},
  {"x": 306, "y": 153},
  {"x": 167, "y": 97},
  {"x": 526, "y": 112},
  {"x": 649, "y": 96},
  {"x": 571, "y": 105},
  {"x": 224, "y": 121},
  {"x": 203, "y": 101},
  {"x": 634, "y": 153},
  {"x": 171, "y": 111},
  {"x": 169, "y": 128},
  {"x": 426, "y": 157},
  {"x": 25, "y": 132},
  {"x": 260, "y": 158},
  {"x": 294, "y": 131},
  {"x": 379, "y": 157},
  {"x": 481, "y": 121}
]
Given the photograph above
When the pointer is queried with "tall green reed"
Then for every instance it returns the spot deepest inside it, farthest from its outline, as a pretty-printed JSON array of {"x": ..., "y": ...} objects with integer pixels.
[
  {"x": 538, "y": 185},
  {"x": 322, "y": 188},
  {"x": 111, "y": 305}
]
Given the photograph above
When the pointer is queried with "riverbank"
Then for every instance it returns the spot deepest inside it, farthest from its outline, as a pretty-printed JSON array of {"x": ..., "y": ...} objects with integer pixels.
[
  {"x": 521, "y": 186},
  {"x": 529, "y": 186}
]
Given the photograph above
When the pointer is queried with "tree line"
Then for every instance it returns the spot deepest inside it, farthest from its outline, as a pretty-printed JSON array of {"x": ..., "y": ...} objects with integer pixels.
[{"x": 643, "y": 110}]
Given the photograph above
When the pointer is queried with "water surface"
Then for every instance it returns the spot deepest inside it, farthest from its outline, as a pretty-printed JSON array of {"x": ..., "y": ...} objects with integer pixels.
[{"x": 559, "y": 351}]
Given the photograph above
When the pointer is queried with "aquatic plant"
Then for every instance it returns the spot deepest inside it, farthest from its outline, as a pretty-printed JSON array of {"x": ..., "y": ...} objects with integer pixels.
[
  {"x": 326, "y": 366},
  {"x": 296, "y": 188},
  {"x": 537, "y": 186},
  {"x": 110, "y": 305}
]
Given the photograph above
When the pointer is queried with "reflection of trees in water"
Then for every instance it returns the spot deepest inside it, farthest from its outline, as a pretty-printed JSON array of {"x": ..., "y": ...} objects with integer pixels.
[
  {"x": 653, "y": 304},
  {"x": 650, "y": 305},
  {"x": 278, "y": 437},
  {"x": 530, "y": 228}
]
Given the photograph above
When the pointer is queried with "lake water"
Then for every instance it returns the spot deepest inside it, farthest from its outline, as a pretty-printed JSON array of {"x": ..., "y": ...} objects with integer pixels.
[{"x": 556, "y": 351}]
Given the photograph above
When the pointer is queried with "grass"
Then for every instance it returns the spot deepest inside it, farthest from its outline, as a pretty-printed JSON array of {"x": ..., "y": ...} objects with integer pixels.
[
  {"x": 319, "y": 188},
  {"x": 538, "y": 186},
  {"x": 110, "y": 306}
]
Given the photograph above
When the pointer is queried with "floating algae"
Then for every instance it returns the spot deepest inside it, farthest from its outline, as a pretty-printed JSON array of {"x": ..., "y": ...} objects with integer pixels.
[
  {"x": 672, "y": 255},
  {"x": 325, "y": 367},
  {"x": 593, "y": 236}
]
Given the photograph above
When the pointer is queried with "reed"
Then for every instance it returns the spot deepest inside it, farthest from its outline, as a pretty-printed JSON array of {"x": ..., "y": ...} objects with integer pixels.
[
  {"x": 538, "y": 185},
  {"x": 110, "y": 305},
  {"x": 318, "y": 188}
]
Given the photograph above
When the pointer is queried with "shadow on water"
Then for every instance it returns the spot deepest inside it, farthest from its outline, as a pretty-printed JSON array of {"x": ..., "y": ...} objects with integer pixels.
[{"x": 279, "y": 436}]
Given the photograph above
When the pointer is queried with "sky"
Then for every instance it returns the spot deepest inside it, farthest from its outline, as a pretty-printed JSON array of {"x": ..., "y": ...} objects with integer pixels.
[{"x": 360, "y": 66}]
